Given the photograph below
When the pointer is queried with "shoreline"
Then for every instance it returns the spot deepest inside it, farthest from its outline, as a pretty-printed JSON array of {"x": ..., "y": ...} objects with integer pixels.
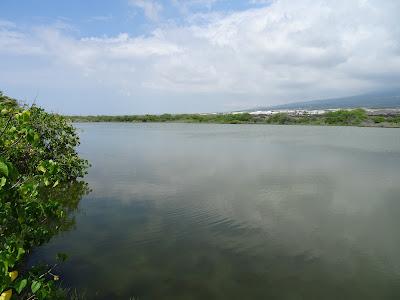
[
  {"x": 392, "y": 126},
  {"x": 356, "y": 117}
]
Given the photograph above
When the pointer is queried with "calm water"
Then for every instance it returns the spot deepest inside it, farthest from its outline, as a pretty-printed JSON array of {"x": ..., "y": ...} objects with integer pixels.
[{"x": 181, "y": 211}]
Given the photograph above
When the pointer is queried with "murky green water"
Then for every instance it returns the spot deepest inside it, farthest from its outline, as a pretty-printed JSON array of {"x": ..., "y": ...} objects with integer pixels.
[{"x": 181, "y": 211}]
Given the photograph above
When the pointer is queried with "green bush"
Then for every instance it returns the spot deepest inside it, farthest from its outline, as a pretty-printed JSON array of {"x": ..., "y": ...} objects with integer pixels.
[
  {"x": 378, "y": 119},
  {"x": 346, "y": 117},
  {"x": 280, "y": 118},
  {"x": 38, "y": 165}
]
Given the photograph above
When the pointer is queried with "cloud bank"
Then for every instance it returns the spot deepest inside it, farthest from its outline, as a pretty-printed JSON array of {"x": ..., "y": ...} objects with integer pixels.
[{"x": 280, "y": 52}]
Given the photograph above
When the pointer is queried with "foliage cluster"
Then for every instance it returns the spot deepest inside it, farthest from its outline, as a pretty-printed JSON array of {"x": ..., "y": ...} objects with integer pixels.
[
  {"x": 348, "y": 117},
  {"x": 355, "y": 117},
  {"x": 39, "y": 166}
]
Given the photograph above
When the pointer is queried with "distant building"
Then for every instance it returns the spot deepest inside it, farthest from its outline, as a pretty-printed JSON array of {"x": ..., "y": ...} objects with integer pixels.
[{"x": 305, "y": 112}]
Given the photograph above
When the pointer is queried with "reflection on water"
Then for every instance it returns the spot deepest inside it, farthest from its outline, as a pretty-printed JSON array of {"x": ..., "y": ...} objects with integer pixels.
[
  {"x": 68, "y": 196},
  {"x": 182, "y": 211}
]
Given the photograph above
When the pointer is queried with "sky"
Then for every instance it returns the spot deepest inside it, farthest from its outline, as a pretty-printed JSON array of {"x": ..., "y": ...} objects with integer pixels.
[{"x": 174, "y": 56}]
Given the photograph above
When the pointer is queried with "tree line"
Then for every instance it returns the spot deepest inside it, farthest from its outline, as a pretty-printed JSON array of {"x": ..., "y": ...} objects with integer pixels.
[{"x": 355, "y": 117}]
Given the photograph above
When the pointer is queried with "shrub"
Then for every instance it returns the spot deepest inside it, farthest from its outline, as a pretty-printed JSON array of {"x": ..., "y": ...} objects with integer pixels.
[
  {"x": 346, "y": 117},
  {"x": 38, "y": 163}
]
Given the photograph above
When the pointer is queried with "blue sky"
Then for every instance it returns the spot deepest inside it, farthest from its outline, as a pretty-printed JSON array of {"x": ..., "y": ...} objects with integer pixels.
[
  {"x": 150, "y": 56},
  {"x": 99, "y": 17}
]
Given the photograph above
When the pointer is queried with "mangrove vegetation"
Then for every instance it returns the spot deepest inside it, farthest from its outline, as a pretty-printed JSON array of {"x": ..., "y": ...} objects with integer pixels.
[
  {"x": 39, "y": 187},
  {"x": 355, "y": 117}
]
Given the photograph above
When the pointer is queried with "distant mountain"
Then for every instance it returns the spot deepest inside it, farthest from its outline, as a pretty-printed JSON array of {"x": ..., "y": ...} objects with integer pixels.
[{"x": 388, "y": 99}]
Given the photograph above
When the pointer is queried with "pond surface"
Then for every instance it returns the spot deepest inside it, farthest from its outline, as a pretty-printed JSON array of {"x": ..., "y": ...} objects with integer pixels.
[{"x": 200, "y": 211}]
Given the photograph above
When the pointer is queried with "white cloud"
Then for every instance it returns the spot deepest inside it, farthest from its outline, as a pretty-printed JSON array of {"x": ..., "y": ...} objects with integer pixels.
[
  {"x": 185, "y": 6},
  {"x": 288, "y": 50},
  {"x": 151, "y": 8}
]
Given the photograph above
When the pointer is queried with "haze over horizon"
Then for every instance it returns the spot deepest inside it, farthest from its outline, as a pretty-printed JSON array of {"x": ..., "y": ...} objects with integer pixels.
[{"x": 156, "y": 56}]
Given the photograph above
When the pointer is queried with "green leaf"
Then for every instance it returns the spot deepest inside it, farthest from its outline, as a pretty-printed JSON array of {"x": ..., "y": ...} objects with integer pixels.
[
  {"x": 41, "y": 168},
  {"x": 30, "y": 136},
  {"x": 3, "y": 168},
  {"x": 35, "y": 286},
  {"x": 55, "y": 183},
  {"x": 12, "y": 171},
  {"x": 21, "y": 285},
  {"x": 5, "y": 263},
  {"x": 21, "y": 251},
  {"x": 3, "y": 181},
  {"x": 36, "y": 138}
]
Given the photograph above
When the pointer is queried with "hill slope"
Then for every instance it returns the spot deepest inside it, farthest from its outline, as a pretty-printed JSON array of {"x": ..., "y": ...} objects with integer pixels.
[{"x": 388, "y": 99}]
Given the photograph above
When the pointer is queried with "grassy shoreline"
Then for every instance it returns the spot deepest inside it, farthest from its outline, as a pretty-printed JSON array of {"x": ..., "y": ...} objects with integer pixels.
[{"x": 356, "y": 117}]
